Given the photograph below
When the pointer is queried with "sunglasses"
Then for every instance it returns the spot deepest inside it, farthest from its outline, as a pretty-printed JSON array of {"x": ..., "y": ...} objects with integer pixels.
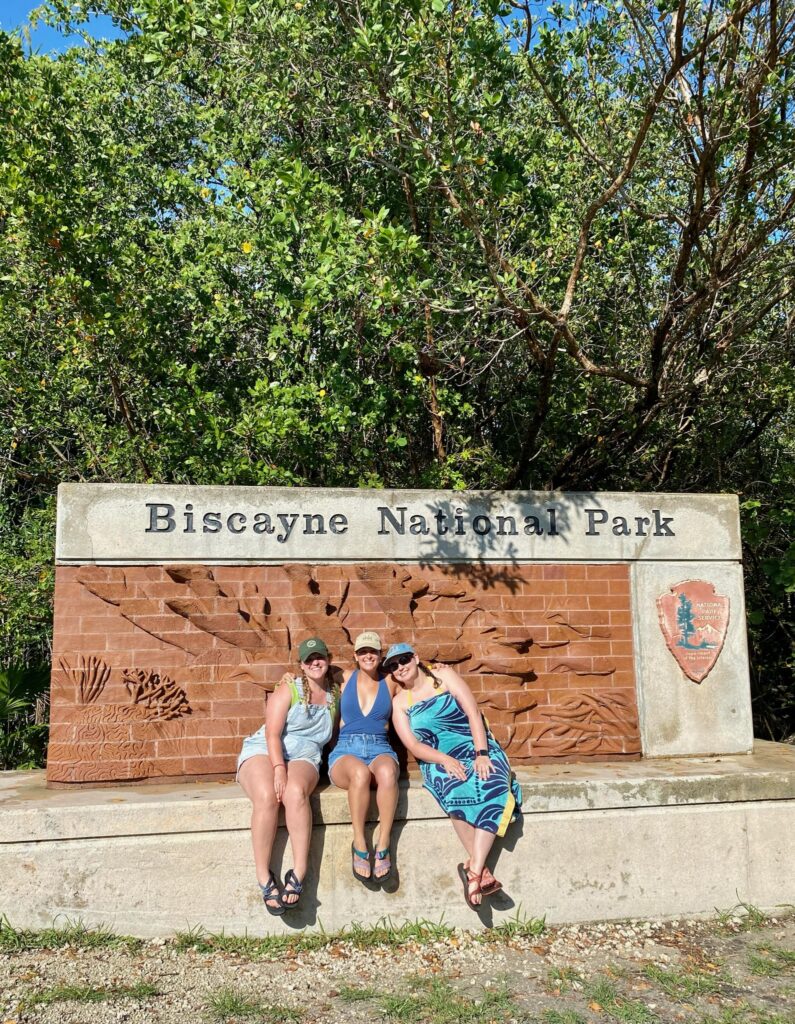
[{"x": 401, "y": 659}]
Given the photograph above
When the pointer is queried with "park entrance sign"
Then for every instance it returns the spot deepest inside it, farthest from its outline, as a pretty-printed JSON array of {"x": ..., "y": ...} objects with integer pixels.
[
  {"x": 131, "y": 524},
  {"x": 589, "y": 625}
]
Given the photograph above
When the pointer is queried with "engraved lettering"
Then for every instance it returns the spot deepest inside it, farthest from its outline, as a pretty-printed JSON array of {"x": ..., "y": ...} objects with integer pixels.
[
  {"x": 661, "y": 527},
  {"x": 532, "y": 525},
  {"x": 503, "y": 522},
  {"x": 418, "y": 524},
  {"x": 236, "y": 523},
  {"x": 314, "y": 524},
  {"x": 386, "y": 514},
  {"x": 481, "y": 525},
  {"x": 156, "y": 517},
  {"x": 262, "y": 523},
  {"x": 211, "y": 522},
  {"x": 596, "y": 516},
  {"x": 288, "y": 522},
  {"x": 620, "y": 527},
  {"x": 338, "y": 523}
]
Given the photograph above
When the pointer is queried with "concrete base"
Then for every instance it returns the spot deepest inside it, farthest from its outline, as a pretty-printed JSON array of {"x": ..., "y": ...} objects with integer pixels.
[{"x": 607, "y": 841}]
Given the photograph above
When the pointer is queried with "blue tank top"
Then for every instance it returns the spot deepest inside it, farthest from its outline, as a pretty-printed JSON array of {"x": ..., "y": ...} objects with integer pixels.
[{"x": 371, "y": 724}]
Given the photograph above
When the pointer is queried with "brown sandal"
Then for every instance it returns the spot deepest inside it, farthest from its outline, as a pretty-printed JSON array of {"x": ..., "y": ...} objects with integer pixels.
[
  {"x": 472, "y": 886},
  {"x": 488, "y": 888}
]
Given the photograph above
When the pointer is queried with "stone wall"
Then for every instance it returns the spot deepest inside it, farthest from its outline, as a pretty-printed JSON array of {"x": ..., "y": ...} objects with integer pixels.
[{"x": 159, "y": 671}]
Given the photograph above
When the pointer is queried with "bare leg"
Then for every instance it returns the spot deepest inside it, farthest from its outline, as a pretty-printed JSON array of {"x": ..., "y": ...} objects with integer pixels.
[
  {"x": 481, "y": 845},
  {"x": 256, "y": 780},
  {"x": 351, "y": 773},
  {"x": 465, "y": 832},
  {"x": 385, "y": 772},
  {"x": 301, "y": 781}
]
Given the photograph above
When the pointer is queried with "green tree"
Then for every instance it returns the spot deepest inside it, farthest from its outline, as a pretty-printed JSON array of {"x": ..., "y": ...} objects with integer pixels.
[{"x": 358, "y": 242}]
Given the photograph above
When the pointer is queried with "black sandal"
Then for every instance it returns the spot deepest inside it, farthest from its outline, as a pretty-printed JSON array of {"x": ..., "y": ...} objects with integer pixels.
[
  {"x": 363, "y": 858},
  {"x": 271, "y": 891},
  {"x": 380, "y": 857},
  {"x": 292, "y": 887}
]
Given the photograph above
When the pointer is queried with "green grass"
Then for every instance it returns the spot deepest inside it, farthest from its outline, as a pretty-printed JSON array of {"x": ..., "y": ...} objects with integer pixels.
[
  {"x": 744, "y": 1014},
  {"x": 681, "y": 985},
  {"x": 437, "y": 1002},
  {"x": 752, "y": 917},
  {"x": 70, "y": 933},
  {"x": 89, "y": 994},
  {"x": 562, "y": 1017},
  {"x": 561, "y": 978},
  {"x": 516, "y": 927},
  {"x": 771, "y": 961},
  {"x": 229, "y": 1004},
  {"x": 385, "y": 933},
  {"x": 272, "y": 947},
  {"x": 627, "y": 1011},
  {"x": 356, "y": 994}
]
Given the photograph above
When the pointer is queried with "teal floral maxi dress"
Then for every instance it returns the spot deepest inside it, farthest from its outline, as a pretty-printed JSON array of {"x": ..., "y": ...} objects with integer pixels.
[{"x": 491, "y": 804}]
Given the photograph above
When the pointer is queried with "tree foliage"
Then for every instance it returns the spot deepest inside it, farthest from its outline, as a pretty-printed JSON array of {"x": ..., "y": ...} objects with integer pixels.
[{"x": 360, "y": 242}]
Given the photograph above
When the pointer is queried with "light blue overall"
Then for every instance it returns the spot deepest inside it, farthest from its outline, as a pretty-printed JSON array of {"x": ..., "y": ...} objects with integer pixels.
[{"x": 306, "y": 731}]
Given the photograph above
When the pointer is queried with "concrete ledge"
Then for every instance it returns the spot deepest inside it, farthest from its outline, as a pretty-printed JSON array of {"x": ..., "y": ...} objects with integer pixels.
[{"x": 600, "y": 841}]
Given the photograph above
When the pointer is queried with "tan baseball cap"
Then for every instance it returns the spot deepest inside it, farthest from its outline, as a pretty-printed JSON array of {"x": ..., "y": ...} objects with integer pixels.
[{"x": 367, "y": 639}]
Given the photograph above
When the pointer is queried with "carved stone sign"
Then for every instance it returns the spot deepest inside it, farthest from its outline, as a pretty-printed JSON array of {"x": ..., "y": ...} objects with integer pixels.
[
  {"x": 177, "y": 608},
  {"x": 694, "y": 620},
  {"x": 138, "y": 524}
]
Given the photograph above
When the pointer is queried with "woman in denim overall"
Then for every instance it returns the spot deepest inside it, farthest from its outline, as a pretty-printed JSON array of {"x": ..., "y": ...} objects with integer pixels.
[{"x": 280, "y": 764}]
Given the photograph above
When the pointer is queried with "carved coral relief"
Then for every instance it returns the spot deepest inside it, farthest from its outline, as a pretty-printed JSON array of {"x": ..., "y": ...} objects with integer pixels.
[
  {"x": 159, "y": 696},
  {"x": 89, "y": 676},
  {"x": 590, "y": 722},
  {"x": 448, "y": 614}
]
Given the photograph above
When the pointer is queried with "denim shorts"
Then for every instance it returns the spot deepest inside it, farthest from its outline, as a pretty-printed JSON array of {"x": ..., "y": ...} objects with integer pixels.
[
  {"x": 293, "y": 749},
  {"x": 366, "y": 746}
]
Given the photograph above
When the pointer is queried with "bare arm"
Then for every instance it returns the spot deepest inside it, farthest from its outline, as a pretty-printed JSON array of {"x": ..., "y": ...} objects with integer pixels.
[
  {"x": 275, "y": 718},
  {"x": 422, "y": 751},
  {"x": 346, "y": 675}
]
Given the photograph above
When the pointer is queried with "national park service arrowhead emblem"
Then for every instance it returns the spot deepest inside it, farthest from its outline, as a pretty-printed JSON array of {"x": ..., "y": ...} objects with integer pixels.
[{"x": 694, "y": 620}]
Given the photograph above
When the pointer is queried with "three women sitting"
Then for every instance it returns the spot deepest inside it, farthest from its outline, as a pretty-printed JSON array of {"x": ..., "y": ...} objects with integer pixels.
[{"x": 435, "y": 716}]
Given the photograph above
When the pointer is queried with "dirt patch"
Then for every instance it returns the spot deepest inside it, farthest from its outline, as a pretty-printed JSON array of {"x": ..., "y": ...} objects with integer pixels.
[{"x": 735, "y": 970}]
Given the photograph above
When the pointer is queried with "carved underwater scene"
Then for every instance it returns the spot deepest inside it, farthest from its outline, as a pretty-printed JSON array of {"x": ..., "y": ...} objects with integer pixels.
[{"x": 159, "y": 671}]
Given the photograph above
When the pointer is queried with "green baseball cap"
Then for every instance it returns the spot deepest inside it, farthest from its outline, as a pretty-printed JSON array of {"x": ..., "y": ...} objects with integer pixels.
[{"x": 312, "y": 646}]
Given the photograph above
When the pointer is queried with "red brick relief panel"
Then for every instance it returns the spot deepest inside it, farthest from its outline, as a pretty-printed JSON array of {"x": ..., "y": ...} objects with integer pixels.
[{"x": 159, "y": 671}]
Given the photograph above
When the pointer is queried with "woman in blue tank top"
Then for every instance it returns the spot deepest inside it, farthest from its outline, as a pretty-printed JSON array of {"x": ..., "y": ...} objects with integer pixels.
[{"x": 363, "y": 757}]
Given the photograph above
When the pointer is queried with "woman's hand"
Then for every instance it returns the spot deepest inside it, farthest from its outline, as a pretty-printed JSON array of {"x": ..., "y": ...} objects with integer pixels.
[
  {"x": 453, "y": 767},
  {"x": 279, "y": 781},
  {"x": 483, "y": 766}
]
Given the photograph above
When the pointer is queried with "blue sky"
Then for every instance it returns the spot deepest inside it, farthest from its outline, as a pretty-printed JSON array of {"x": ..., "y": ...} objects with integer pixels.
[{"x": 14, "y": 13}]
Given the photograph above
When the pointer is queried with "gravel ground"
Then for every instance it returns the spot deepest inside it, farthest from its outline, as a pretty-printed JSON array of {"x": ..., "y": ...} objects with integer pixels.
[{"x": 733, "y": 970}]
